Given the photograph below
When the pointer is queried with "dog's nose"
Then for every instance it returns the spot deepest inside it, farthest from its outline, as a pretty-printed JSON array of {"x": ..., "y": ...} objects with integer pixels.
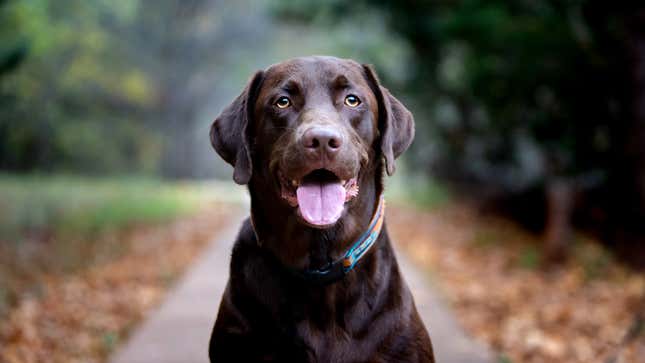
[{"x": 322, "y": 139}]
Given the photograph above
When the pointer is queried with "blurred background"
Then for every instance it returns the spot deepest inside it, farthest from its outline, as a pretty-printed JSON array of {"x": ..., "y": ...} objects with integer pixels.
[{"x": 528, "y": 162}]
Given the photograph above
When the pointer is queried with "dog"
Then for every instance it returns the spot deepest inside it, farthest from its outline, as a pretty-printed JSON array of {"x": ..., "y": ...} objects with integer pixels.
[{"x": 313, "y": 276}]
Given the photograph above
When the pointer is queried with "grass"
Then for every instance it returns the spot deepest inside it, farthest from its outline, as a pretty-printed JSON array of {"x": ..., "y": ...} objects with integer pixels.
[
  {"x": 63, "y": 223},
  {"x": 66, "y": 205}
]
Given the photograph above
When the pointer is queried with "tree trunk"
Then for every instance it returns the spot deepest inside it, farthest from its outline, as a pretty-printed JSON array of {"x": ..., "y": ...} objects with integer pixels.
[{"x": 560, "y": 200}]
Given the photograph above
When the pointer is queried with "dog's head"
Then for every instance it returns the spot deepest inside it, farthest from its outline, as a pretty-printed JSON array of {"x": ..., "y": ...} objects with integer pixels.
[{"x": 312, "y": 125}]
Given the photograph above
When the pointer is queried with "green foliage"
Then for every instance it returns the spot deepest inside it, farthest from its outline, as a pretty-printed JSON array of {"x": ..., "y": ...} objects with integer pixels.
[
  {"x": 519, "y": 77},
  {"x": 12, "y": 48},
  {"x": 70, "y": 104},
  {"x": 103, "y": 87}
]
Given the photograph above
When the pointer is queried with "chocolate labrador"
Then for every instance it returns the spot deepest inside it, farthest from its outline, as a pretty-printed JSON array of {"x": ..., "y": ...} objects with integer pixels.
[{"x": 313, "y": 277}]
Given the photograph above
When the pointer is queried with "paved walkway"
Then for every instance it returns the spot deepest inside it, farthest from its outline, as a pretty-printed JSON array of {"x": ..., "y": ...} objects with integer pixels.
[{"x": 179, "y": 330}]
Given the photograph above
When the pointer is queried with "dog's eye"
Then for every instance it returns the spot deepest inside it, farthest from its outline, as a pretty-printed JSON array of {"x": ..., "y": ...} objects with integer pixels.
[
  {"x": 283, "y": 102},
  {"x": 352, "y": 101}
]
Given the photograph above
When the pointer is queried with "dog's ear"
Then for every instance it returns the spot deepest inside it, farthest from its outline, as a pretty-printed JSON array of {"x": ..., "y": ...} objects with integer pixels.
[
  {"x": 395, "y": 123},
  {"x": 230, "y": 132}
]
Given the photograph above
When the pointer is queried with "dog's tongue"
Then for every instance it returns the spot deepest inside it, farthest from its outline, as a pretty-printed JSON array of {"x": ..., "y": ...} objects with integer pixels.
[{"x": 321, "y": 202}]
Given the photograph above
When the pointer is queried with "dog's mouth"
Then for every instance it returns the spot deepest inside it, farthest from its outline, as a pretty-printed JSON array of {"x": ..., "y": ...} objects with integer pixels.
[{"x": 320, "y": 196}]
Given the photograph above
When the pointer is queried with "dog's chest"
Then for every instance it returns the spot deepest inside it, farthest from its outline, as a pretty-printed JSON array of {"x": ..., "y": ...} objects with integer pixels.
[
  {"x": 329, "y": 343},
  {"x": 335, "y": 331}
]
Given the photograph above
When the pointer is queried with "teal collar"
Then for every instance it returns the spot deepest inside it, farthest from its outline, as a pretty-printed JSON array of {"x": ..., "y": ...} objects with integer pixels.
[{"x": 336, "y": 270}]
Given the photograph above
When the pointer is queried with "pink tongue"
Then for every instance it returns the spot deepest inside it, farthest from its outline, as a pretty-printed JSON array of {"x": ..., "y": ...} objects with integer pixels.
[{"x": 321, "y": 203}]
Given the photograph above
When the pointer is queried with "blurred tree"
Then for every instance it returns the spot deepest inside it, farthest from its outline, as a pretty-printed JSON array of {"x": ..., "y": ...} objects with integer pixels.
[
  {"x": 112, "y": 88},
  {"x": 67, "y": 106}
]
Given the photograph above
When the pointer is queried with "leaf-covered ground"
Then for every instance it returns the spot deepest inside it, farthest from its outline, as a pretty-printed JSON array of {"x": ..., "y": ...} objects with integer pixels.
[
  {"x": 81, "y": 317},
  {"x": 491, "y": 273}
]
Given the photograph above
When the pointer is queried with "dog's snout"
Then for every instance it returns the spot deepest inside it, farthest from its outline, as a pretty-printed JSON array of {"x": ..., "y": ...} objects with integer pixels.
[{"x": 322, "y": 140}]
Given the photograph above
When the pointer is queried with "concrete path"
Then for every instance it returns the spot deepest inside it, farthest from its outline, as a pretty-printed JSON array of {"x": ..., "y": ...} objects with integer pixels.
[
  {"x": 179, "y": 330},
  {"x": 449, "y": 341}
]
